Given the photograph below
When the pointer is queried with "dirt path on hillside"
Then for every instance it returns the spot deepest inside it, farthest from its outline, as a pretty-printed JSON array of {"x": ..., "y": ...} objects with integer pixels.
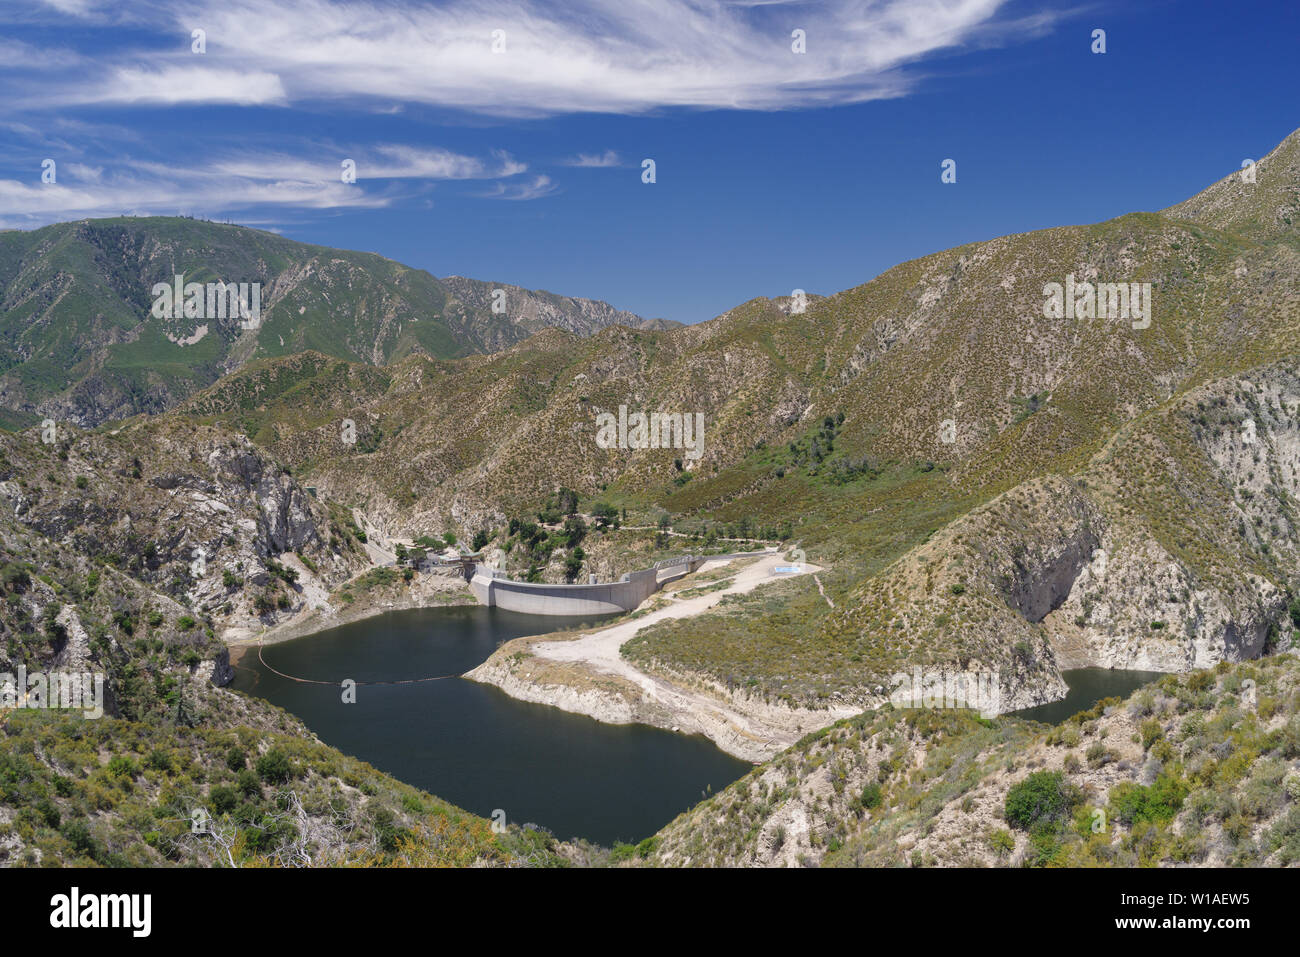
[
  {"x": 601, "y": 649},
  {"x": 748, "y": 728}
]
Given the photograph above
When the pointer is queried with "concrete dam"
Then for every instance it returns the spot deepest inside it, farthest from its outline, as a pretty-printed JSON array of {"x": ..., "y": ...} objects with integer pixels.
[{"x": 491, "y": 587}]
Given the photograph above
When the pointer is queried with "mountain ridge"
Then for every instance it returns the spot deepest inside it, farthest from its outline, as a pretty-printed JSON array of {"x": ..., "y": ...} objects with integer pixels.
[
  {"x": 78, "y": 341},
  {"x": 987, "y": 488}
]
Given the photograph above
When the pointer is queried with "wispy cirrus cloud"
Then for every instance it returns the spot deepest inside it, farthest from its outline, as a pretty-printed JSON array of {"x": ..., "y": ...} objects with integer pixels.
[
  {"x": 509, "y": 58},
  {"x": 28, "y": 204},
  {"x": 381, "y": 161},
  {"x": 535, "y": 188},
  {"x": 607, "y": 159},
  {"x": 296, "y": 60},
  {"x": 175, "y": 85},
  {"x": 257, "y": 179}
]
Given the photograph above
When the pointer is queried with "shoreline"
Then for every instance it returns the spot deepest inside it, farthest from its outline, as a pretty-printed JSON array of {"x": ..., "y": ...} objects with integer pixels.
[
  {"x": 585, "y": 674},
  {"x": 314, "y": 620}
]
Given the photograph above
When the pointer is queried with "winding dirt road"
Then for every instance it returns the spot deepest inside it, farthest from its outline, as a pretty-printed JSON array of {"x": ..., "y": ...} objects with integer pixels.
[{"x": 748, "y": 728}]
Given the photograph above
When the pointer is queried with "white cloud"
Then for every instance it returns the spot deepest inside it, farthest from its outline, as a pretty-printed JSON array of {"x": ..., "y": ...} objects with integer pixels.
[
  {"x": 87, "y": 174},
  {"x": 382, "y": 161},
  {"x": 34, "y": 203},
  {"x": 622, "y": 56},
  {"x": 176, "y": 85},
  {"x": 309, "y": 180},
  {"x": 79, "y": 8},
  {"x": 595, "y": 160},
  {"x": 536, "y": 188}
]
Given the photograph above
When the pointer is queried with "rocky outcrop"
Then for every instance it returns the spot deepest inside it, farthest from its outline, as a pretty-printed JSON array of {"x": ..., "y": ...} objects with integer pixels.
[
  {"x": 216, "y": 670},
  {"x": 1201, "y": 570}
]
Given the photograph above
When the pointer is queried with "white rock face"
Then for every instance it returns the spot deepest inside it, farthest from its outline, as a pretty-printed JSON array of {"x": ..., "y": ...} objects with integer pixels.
[{"x": 1136, "y": 605}]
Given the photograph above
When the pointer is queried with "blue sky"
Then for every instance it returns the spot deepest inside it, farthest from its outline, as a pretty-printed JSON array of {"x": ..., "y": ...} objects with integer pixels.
[{"x": 775, "y": 170}]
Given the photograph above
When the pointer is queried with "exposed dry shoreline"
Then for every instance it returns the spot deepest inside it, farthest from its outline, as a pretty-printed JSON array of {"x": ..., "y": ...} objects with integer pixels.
[{"x": 586, "y": 674}]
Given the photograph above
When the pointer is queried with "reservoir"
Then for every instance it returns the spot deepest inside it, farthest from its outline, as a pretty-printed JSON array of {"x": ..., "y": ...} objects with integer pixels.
[
  {"x": 474, "y": 745},
  {"x": 1087, "y": 687}
]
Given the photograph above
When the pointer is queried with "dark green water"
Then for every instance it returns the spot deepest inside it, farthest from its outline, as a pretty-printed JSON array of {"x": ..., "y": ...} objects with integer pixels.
[
  {"x": 472, "y": 744},
  {"x": 1087, "y": 687}
]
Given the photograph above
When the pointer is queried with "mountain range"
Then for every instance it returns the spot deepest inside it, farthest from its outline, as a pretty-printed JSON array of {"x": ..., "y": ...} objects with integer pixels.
[
  {"x": 990, "y": 483},
  {"x": 81, "y": 340}
]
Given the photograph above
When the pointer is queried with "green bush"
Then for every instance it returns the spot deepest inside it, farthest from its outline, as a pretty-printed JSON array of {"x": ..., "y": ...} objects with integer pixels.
[
  {"x": 159, "y": 760},
  {"x": 77, "y": 833},
  {"x": 1134, "y": 803},
  {"x": 1043, "y": 798},
  {"x": 622, "y": 852},
  {"x": 1002, "y": 842},
  {"x": 274, "y": 767},
  {"x": 248, "y": 783},
  {"x": 224, "y": 799},
  {"x": 121, "y": 766}
]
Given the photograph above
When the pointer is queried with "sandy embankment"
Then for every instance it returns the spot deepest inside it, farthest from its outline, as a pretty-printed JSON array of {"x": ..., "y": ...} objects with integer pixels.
[{"x": 587, "y": 675}]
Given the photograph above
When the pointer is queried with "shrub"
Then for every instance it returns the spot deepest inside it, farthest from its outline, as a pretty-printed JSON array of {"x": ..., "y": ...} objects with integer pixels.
[
  {"x": 77, "y": 833},
  {"x": 1291, "y": 786},
  {"x": 872, "y": 795},
  {"x": 121, "y": 766},
  {"x": 224, "y": 799},
  {"x": 248, "y": 784},
  {"x": 621, "y": 852},
  {"x": 1151, "y": 733},
  {"x": 1098, "y": 754},
  {"x": 1134, "y": 803},
  {"x": 1043, "y": 798},
  {"x": 1002, "y": 842},
  {"x": 274, "y": 767},
  {"x": 159, "y": 760}
]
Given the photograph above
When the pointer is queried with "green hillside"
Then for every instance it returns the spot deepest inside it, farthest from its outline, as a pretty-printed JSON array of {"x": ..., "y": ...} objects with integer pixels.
[{"x": 78, "y": 340}]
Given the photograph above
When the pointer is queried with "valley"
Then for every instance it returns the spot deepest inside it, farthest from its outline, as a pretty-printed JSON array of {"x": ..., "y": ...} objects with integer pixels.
[{"x": 970, "y": 483}]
